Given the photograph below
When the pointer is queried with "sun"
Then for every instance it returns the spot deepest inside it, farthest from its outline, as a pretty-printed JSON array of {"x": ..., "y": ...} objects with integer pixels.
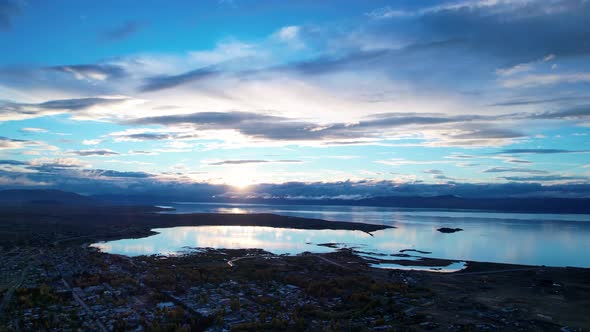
[
  {"x": 240, "y": 184},
  {"x": 240, "y": 179}
]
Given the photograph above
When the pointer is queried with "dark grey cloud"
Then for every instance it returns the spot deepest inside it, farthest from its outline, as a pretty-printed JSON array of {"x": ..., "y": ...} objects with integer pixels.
[
  {"x": 13, "y": 162},
  {"x": 123, "y": 31},
  {"x": 169, "y": 81},
  {"x": 76, "y": 104},
  {"x": 264, "y": 126},
  {"x": 20, "y": 110},
  {"x": 578, "y": 112},
  {"x": 559, "y": 27},
  {"x": 382, "y": 60},
  {"x": 8, "y": 9},
  {"x": 513, "y": 170},
  {"x": 213, "y": 120},
  {"x": 142, "y": 152},
  {"x": 545, "y": 178},
  {"x": 117, "y": 174},
  {"x": 94, "y": 152},
  {"x": 386, "y": 120},
  {"x": 252, "y": 161},
  {"x": 45, "y": 166},
  {"x": 442, "y": 177},
  {"x": 540, "y": 151},
  {"x": 522, "y": 102},
  {"x": 386, "y": 188},
  {"x": 51, "y": 166},
  {"x": 148, "y": 136},
  {"x": 461, "y": 156},
  {"x": 518, "y": 161},
  {"x": 470, "y": 43},
  {"x": 91, "y": 181},
  {"x": 490, "y": 133},
  {"x": 323, "y": 64},
  {"x": 6, "y": 142},
  {"x": 91, "y": 71},
  {"x": 59, "y": 166},
  {"x": 155, "y": 136},
  {"x": 433, "y": 171},
  {"x": 248, "y": 123}
]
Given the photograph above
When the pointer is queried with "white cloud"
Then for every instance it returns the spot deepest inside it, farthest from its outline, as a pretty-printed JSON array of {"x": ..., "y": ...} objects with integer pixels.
[
  {"x": 387, "y": 12},
  {"x": 88, "y": 74},
  {"x": 545, "y": 79},
  {"x": 21, "y": 181},
  {"x": 60, "y": 162},
  {"x": 492, "y": 7},
  {"x": 224, "y": 51},
  {"x": 519, "y": 68},
  {"x": 524, "y": 67},
  {"x": 288, "y": 33},
  {"x": 15, "y": 144},
  {"x": 34, "y": 130},
  {"x": 549, "y": 57},
  {"x": 401, "y": 161},
  {"x": 91, "y": 141},
  {"x": 80, "y": 108}
]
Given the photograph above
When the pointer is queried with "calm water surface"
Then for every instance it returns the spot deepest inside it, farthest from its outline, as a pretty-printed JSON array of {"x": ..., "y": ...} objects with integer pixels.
[{"x": 536, "y": 239}]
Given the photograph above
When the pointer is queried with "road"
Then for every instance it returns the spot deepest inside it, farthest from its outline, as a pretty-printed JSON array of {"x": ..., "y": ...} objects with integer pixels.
[{"x": 8, "y": 295}]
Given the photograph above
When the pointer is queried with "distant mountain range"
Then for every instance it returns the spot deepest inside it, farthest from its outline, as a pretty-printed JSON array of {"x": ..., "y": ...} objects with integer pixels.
[
  {"x": 45, "y": 196},
  {"x": 532, "y": 205}
]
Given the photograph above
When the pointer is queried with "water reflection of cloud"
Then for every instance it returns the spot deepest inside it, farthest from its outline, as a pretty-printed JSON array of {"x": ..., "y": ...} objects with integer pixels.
[
  {"x": 122, "y": 247},
  {"x": 276, "y": 240},
  {"x": 453, "y": 267},
  {"x": 544, "y": 243}
]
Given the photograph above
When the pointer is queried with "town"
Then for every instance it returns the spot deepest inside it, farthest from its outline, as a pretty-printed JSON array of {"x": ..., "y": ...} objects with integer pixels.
[{"x": 76, "y": 287}]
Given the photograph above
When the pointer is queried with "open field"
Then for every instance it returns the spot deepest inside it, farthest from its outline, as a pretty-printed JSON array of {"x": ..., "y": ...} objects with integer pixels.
[{"x": 47, "y": 224}]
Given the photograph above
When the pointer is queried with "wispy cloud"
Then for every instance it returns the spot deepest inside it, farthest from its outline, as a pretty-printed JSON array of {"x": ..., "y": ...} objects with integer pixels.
[
  {"x": 526, "y": 8},
  {"x": 514, "y": 170},
  {"x": 33, "y": 130},
  {"x": 94, "y": 152},
  {"x": 541, "y": 151},
  {"x": 545, "y": 79},
  {"x": 20, "y": 111},
  {"x": 96, "y": 72},
  {"x": 546, "y": 178},
  {"x": 123, "y": 31},
  {"x": 252, "y": 161},
  {"x": 13, "y": 144}
]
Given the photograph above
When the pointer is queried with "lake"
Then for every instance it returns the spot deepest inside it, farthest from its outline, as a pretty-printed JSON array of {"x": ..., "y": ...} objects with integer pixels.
[{"x": 532, "y": 239}]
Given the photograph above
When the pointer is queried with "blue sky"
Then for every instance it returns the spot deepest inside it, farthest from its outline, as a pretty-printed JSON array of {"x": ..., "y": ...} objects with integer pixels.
[{"x": 347, "y": 98}]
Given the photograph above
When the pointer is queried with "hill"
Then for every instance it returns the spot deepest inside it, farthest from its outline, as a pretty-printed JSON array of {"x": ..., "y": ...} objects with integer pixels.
[{"x": 44, "y": 196}]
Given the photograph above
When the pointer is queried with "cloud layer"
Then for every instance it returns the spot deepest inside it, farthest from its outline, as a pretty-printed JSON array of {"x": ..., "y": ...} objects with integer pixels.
[{"x": 451, "y": 94}]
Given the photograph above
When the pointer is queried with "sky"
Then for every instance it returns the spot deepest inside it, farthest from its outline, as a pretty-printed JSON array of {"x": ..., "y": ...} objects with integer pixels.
[{"x": 315, "y": 99}]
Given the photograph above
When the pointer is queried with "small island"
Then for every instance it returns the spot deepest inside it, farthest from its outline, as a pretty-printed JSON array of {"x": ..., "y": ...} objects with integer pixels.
[{"x": 449, "y": 230}]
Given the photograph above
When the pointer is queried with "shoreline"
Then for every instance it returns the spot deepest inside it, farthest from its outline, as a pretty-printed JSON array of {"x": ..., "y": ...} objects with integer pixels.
[
  {"x": 59, "y": 225},
  {"x": 104, "y": 224}
]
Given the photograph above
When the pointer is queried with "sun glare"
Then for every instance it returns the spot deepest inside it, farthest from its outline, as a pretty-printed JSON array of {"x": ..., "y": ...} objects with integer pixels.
[
  {"x": 240, "y": 183},
  {"x": 239, "y": 178}
]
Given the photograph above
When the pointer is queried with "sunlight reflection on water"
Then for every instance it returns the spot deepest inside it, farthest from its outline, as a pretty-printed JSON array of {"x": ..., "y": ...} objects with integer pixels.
[{"x": 532, "y": 239}]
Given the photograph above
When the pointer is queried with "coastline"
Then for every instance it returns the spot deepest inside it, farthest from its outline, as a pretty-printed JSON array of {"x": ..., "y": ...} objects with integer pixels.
[{"x": 66, "y": 224}]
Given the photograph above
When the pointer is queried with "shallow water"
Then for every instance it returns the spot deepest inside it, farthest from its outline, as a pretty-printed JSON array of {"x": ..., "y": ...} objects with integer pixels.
[{"x": 534, "y": 239}]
